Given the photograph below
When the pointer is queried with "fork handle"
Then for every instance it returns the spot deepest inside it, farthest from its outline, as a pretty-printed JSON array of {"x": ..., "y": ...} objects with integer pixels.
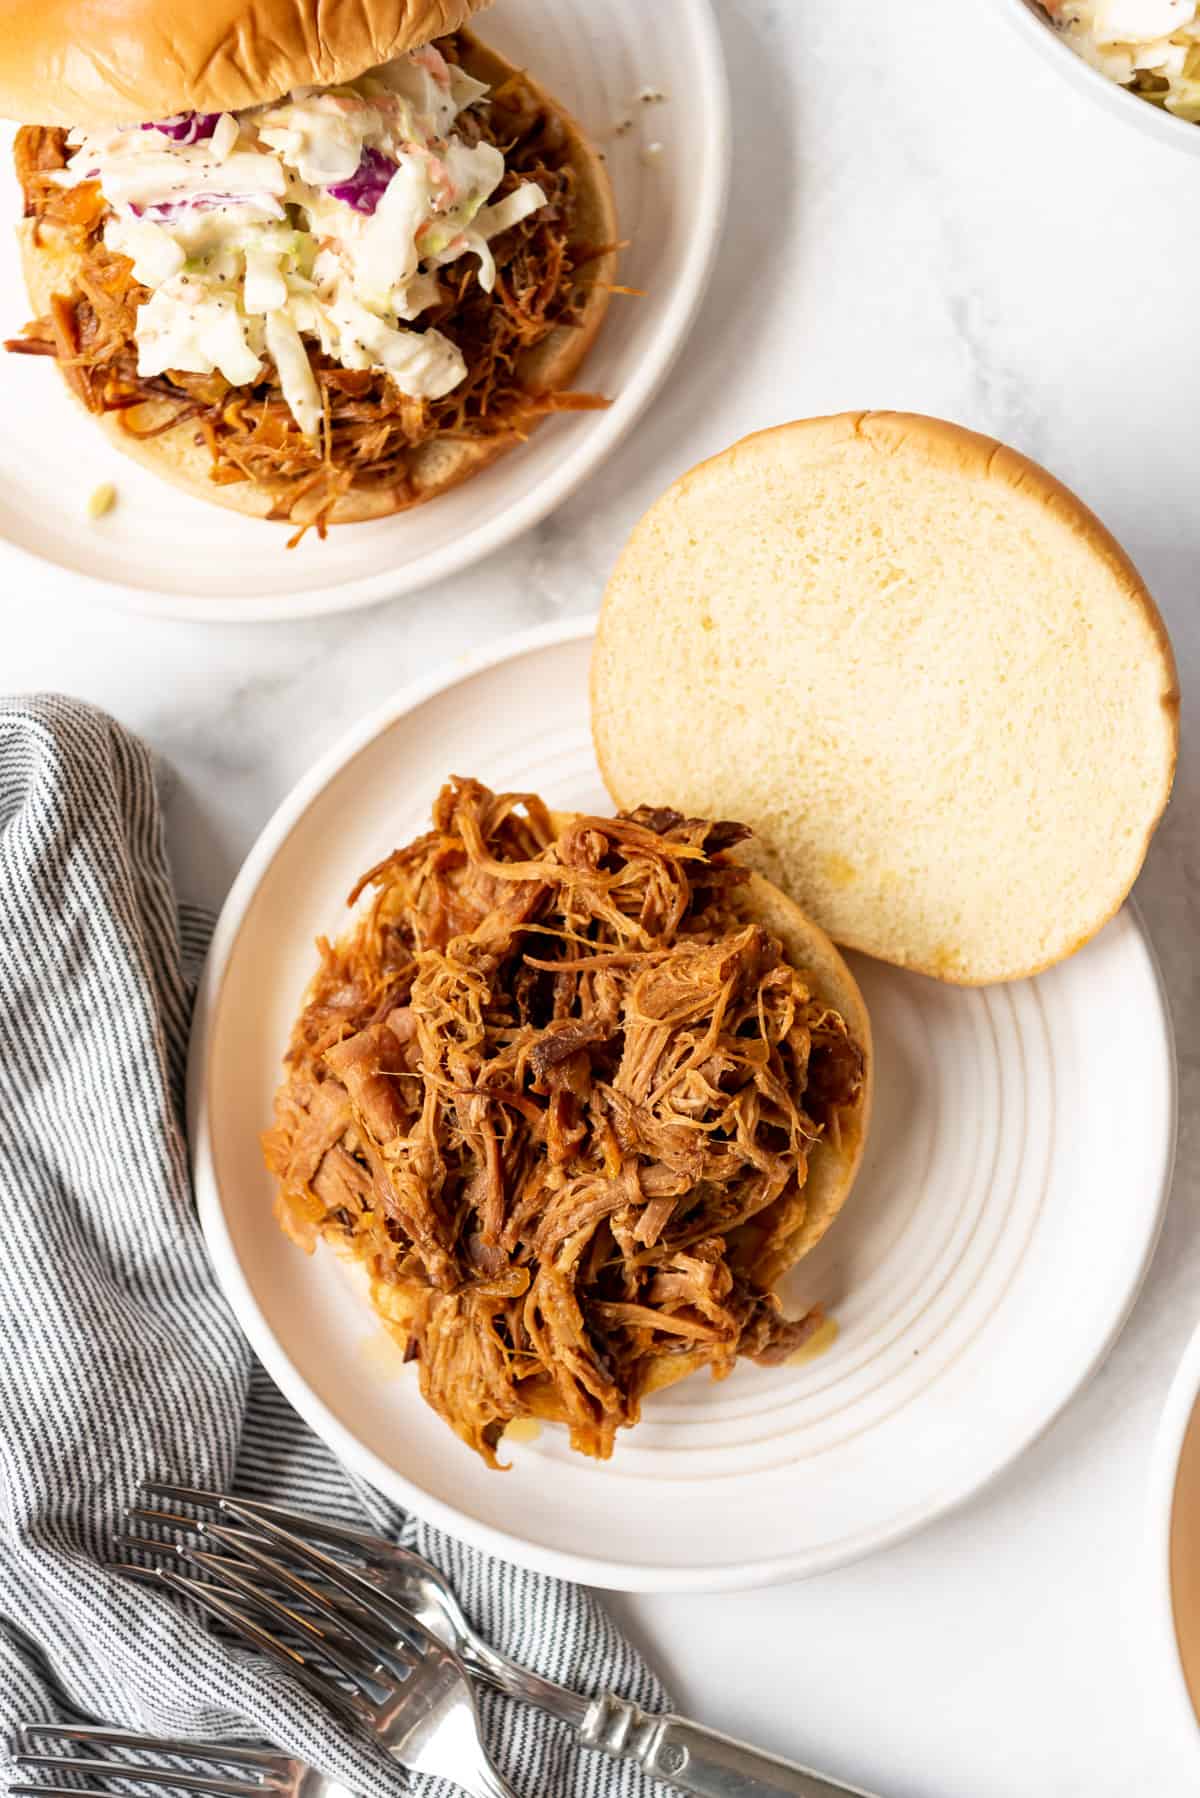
[{"x": 699, "y": 1760}]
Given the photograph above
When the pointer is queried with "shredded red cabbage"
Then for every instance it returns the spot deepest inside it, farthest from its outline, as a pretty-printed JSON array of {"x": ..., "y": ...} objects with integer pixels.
[
  {"x": 162, "y": 211},
  {"x": 368, "y": 184},
  {"x": 186, "y": 127}
]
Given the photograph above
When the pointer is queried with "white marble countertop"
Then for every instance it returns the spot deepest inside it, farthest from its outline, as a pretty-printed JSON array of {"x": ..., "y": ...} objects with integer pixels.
[{"x": 951, "y": 229}]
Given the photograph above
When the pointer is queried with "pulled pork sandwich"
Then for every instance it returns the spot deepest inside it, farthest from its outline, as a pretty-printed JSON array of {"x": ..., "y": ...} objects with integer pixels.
[
  {"x": 574, "y": 1093},
  {"x": 314, "y": 263}
]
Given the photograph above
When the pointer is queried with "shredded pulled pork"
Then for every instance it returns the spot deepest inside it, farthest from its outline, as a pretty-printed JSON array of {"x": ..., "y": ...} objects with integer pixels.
[
  {"x": 558, "y": 1095},
  {"x": 371, "y": 431}
]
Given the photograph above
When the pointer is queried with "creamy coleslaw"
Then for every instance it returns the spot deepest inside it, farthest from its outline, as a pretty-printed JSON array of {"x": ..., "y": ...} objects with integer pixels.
[
  {"x": 1151, "y": 46},
  {"x": 319, "y": 221}
]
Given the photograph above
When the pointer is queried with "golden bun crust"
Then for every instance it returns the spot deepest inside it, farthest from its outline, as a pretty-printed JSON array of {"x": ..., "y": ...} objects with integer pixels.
[
  {"x": 124, "y": 62},
  {"x": 945, "y": 700},
  {"x": 442, "y": 463}
]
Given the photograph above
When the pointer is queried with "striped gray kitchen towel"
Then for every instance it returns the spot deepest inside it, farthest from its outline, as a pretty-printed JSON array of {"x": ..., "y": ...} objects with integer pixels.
[{"x": 118, "y": 1355}]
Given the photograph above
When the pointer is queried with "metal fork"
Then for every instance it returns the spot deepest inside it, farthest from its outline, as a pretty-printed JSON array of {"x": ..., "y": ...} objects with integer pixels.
[
  {"x": 397, "y": 1585},
  {"x": 260, "y": 1772},
  {"x": 408, "y": 1578},
  {"x": 397, "y": 1680}
]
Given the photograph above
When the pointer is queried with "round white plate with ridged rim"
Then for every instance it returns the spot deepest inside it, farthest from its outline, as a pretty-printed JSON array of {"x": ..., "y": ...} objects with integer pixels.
[
  {"x": 164, "y": 552},
  {"x": 980, "y": 1272}
]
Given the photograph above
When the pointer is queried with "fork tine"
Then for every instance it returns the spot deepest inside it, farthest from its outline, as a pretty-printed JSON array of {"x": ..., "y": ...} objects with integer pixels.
[
  {"x": 241, "y": 1539},
  {"x": 348, "y": 1610},
  {"x": 353, "y": 1669},
  {"x": 321, "y": 1686},
  {"x": 158, "y": 1514},
  {"x": 322, "y": 1602},
  {"x": 181, "y": 1782},
  {"x": 147, "y": 1545},
  {"x": 182, "y": 1551},
  {"x": 379, "y": 1605},
  {"x": 40, "y": 1791},
  {"x": 157, "y": 1776},
  {"x": 301, "y": 1521},
  {"x": 191, "y": 1526},
  {"x": 235, "y": 1753}
]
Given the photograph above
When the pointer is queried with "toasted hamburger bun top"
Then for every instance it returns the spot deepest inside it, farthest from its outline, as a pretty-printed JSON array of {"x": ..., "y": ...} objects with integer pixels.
[
  {"x": 52, "y": 266},
  {"x": 917, "y": 666},
  {"x": 122, "y": 62}
]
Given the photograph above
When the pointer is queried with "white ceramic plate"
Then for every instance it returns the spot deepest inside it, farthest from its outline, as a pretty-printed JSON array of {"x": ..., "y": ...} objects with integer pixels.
[
  {"x": 982, "y": 1269},
  {"x": 1040, "y": 35},
  {"x": 161, "y": 551}
]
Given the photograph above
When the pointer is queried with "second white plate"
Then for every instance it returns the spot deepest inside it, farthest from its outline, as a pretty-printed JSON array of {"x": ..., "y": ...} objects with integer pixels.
[
  {"x": 986, "y": 1260},
  {"x": 161, "y": 551}
]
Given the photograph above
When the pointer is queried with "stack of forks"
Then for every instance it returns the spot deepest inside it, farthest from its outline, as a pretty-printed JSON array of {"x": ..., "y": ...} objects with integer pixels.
[{"x": 378, "y": 1635}]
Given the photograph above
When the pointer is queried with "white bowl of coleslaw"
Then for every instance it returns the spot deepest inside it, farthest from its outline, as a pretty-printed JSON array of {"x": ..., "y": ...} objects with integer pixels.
[{"x": 1139, "y": 58}]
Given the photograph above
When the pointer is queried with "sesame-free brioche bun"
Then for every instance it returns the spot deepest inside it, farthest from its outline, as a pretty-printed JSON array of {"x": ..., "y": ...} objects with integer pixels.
[
  {"x": 122, "y": 62},
  {"x": 917, "y": 666},
  {"x": 51, "y": 266}
]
